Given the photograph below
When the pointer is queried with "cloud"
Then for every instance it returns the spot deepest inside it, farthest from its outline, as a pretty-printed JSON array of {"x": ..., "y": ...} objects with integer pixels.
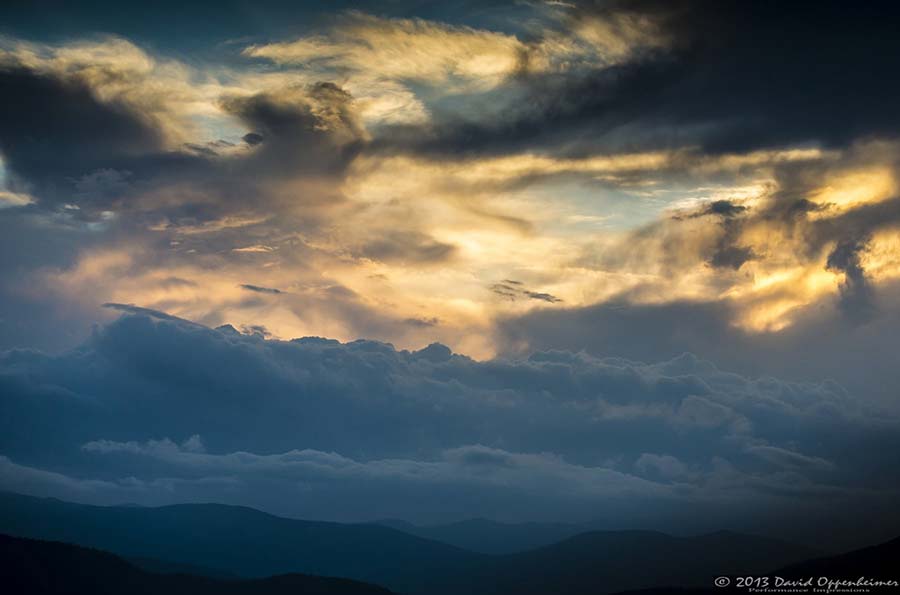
[
  {"x": 618, "y": 160},
  {"x": 256, "y": 248},
  {"x": 403, "y": 49},
  {"x": 406, "y": 247},
  {"x": 723, "y": 208},
  {"x": 290, "y": 119},
  {"x": 405, "y": 71},
  {"x": 468, "y": 465},
  {"x": 767, "y": 256},
  {"x": 731, "y": 256},
  {"x": 147, "y": 209},
  {"x": 513, "y": 290},
  {"x": 664, "y": 466},
  {"x": 786, "y": 458},
  {"x": 690, "y": 88},
  {"x": 258, "y": 289},
  {"x": 589, "y": 190},
  {"x": 132, "y": 309},
  {"x": 856, "y": 293},
  {"x": 14, "y": 199},
  {"x": 155, "y": 409},
  {"x": 833, "y": 345},
  {"x": 55, "y": 129}
]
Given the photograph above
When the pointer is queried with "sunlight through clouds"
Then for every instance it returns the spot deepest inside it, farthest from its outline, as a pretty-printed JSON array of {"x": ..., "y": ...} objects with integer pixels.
[{"x": 298, "y": 164}]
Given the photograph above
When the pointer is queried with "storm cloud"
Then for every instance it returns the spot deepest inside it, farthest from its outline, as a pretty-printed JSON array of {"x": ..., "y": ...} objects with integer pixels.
[
  {"x": 724, "y": 76},
  {"x": 150, "y": 409}
]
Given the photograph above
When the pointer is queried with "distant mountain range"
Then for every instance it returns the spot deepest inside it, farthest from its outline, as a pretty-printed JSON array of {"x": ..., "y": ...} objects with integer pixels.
[
  {"x": 610, "y": 561},
  {"x": 490, "y": 537},
  {"x": 239, "y": 540},
  {"x": 53, "y": 568},
  {"x": 219, "y": 540}
]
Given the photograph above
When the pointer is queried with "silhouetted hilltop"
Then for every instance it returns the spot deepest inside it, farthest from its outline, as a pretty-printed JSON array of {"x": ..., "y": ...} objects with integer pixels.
[
  {"x": 53, "y": 568},
  {"x": 609, "y": 561},
  {"x": 882, "y": 560},
  {"x": 878, "y": 562}
]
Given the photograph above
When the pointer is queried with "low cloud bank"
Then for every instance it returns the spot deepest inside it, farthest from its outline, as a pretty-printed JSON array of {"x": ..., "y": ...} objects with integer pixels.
[{"x": 153, "y": 409}]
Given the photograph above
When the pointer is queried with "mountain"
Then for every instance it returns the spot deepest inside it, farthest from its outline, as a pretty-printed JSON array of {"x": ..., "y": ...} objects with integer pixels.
[
  {"x": 52, "y": 568},
  {"x": 609, "y": 561},
  {"x": 877, "y": 561},
  {"x": 490, "y": 537},
  {"x": 251, "y": 543},
  {"x": 239, "y": 540},
  {"x": 169, "y": 567}
]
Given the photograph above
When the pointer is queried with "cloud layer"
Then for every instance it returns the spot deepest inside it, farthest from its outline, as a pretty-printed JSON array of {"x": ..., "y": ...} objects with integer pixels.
[{"x": 154, "y": 409}]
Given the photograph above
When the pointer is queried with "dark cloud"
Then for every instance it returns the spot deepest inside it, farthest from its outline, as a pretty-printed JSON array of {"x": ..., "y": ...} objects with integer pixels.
[
  {"x": 857, "y": 299},
  {"x": 65, "y": 146},
  {"x": 723, "y": 208},
  {"x": 406, "y": 247},
  {"x": 732, "y": 257},
  {"x": 152, "y": 409},
  {"x": 544, "y": 297},
  {"x": 55, "y": 134},
  {"x": 514, "y": 290},
  {"x": 132, "y": 309},
  {"x": 423, "y": 322},
  {"x": 732, "y": 76},
  {"x": 726, "y": 254},
  {"x": 253, "y": 138},
  {"x": 258, "y": 289},
  {"x": 300, "y": 129},
  {"x": 822, "y": 342},
  {"x": 193, "y": 33},
  {"x": 256, "y": 329}
]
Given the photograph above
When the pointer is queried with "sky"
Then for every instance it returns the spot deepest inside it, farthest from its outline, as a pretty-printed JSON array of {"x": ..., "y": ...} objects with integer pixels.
[{"x": 619, "y": 260}]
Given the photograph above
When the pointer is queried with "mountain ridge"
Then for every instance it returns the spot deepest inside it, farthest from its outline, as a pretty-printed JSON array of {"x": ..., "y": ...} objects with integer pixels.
[
  {"x": 487, "y": 536},
  {"x": 238, "y": 540},
  {"x": 250, "y": 543},
  {"x": 41, "y": 567}
]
